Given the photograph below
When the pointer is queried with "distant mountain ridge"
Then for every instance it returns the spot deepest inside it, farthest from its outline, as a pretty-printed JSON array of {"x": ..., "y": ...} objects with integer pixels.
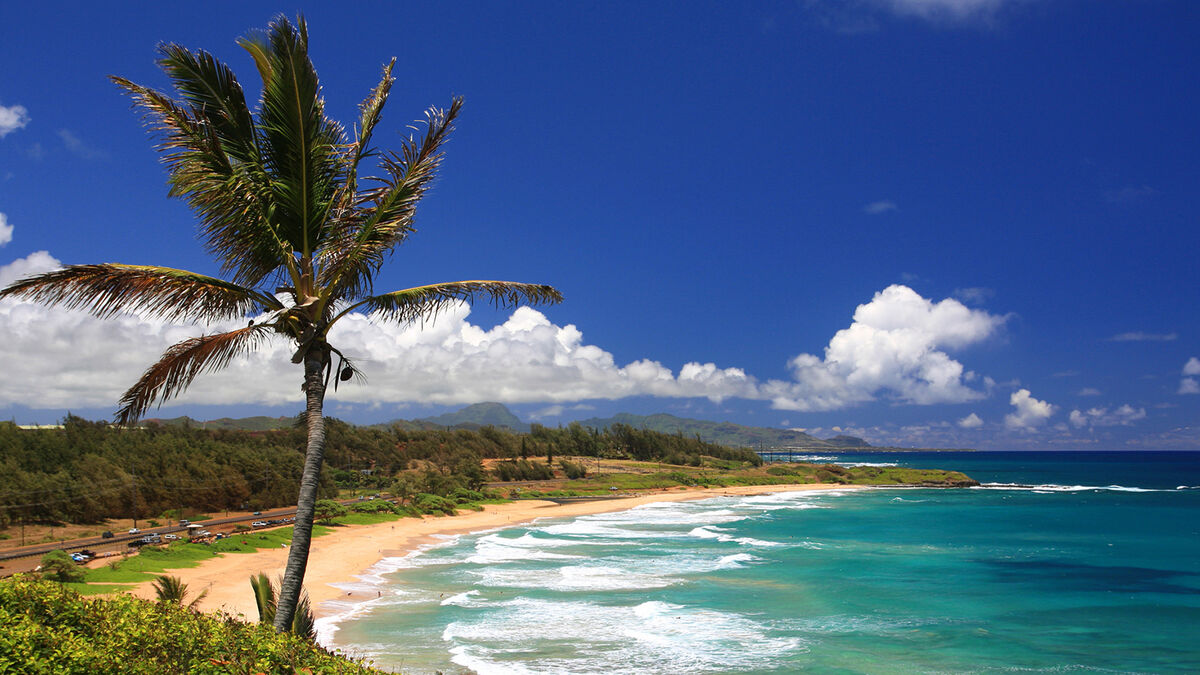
[
  {"x": 478, "y": 415},
  {"x": 258, "y": 423},
  {"x": 727, "y": 433},
  {"x": 497, "y": 415}
]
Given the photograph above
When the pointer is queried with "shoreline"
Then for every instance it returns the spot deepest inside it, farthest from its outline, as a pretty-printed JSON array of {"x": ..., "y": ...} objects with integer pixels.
[{"x": 346, "y": 554}]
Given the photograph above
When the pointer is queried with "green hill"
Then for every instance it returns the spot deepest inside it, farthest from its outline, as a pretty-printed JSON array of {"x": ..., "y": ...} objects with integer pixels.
[{"x": 476, "y": 416}]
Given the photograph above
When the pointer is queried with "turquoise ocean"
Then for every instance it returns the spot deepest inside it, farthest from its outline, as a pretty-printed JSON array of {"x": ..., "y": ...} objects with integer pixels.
[{"x": 1079, "y": 562}]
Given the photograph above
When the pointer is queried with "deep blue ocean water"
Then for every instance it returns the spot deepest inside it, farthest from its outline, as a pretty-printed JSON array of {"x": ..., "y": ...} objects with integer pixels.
[{"x": 1062, "y": 562}]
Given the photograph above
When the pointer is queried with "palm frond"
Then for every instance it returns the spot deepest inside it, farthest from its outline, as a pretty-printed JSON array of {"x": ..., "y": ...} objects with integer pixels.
[
  {"x": 214, "y": 94},
  {"x": 230, "y": 192},
  {"x": 108, "y": 289},
  {"x": 370, "y": 112},
  {"x": 385, "y": 215},
  {"x": 425, "y": 302},
  {"x": 299, "y": 144},
  {"x": 264, "y": 597},
  {"x": 182, "y": 363}
]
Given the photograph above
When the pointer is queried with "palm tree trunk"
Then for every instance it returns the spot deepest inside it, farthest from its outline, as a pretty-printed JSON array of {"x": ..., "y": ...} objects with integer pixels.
[{"x": 315, "y": 361}]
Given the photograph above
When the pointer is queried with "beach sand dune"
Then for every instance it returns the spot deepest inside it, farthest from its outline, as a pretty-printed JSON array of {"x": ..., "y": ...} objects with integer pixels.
[{"x": 340, "y": 556}]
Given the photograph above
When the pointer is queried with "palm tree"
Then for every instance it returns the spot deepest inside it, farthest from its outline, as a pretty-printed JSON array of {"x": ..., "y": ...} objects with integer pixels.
[
  {"x": 172, "y": 590},
  {"x": 282, "y": 208},
  {"x": 303, "y": 621}
]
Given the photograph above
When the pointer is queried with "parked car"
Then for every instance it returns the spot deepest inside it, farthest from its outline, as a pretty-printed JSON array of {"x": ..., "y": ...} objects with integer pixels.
[
  {"x": 170, "y": 537},
  {"x": 258, "y": 523},
  {"x": 151, "y": 539}
]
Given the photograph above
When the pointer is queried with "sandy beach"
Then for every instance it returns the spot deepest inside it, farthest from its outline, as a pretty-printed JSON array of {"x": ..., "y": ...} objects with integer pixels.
[{"x": 340, "y": 556}]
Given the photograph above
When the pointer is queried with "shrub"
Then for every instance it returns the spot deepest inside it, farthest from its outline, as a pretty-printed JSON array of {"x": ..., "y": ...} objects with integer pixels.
[
  {"x": 51, "y": 629},
  {"x": 465, "y": 496},
  {"x": 523, "y": 469},
  {"x": 427, "y": 503},
  {"x": 375, "y": 506},
  {"x": 58, "y": 566},
  {"x": 574, "y": 470}
]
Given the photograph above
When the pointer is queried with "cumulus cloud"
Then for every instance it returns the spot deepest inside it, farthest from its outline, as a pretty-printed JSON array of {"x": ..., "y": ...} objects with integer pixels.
[
  {"x": 880, "y": 207},
  {"x": 1030, "y": 413},
  {"x": 896, "y": 345},
  {"x": 70, "y": 359},
  {"x": 1138, "y": 336},
  {"x": 1126, "y": 415},
  {"x": 12, "y": 118},
  {"x": 1189, "y": 385},
  {"x": 6, "y": 230},
  {"x": 971, "y": 421}
]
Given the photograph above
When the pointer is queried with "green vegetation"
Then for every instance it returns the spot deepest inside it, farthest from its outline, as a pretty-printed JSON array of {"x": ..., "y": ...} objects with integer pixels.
[
  {"x": 650, "y": 476},
  {"x": 303, "y": 622},
  {"x": 58, "y": 566},
  {"x": 172, "y": 590},
  {"x": 328, "y": 509},
  {"x": 51, "y": 630}
]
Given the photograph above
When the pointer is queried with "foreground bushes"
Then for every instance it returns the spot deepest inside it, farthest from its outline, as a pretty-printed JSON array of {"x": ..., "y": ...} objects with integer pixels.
[{"x": 50, "y": 629}]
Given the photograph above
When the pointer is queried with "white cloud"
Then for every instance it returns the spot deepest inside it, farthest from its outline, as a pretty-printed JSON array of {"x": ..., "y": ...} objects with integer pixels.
[
  {"x": 1126, "y": 415},
  {"x": 1192, "y": 367},
  {"x": 1189, "y": 386},
  {"x": 12, "y": 118},
  {"x": 1130, "y": 193},
  {"x": 971, "y": 421},
  {"x": 37, "y": 262},
  {"x": 895, "y": 345},
  {"x": 76, "y": 145},
  {"x": 1030, "y": 413},
  {"x": 945, "y": 9},
  {"x": 975, "y": 295},
  {"x": 880, "y": 207},
  {"x": 6, "y": 230},
  {"x": 1138, "y": 336},
  {"x": 1089, "y": 391}
]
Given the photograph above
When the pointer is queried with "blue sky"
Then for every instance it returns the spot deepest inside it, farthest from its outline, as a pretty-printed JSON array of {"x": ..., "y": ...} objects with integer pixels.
[{"x": 927, "y": 222}]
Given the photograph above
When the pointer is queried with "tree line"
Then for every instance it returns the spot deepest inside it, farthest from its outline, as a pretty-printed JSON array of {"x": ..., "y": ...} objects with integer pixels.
[{"x": 89, "y": 471}]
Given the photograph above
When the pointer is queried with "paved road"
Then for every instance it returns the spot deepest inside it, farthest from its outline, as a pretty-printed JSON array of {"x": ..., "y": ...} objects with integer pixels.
[{"x": 122, "y": 538}]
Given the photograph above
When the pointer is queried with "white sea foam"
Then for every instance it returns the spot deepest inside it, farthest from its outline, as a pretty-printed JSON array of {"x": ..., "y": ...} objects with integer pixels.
[
  {"x": 651, "y": 636},
  {"x": 853, "y": 464},
  {"x": 492, "y": 549},
  {"x": 465, "y": 599},
  {"x": 712, "y": 532},
  {"x": 1051, "y": 488},
  {"x": 735, "y": 560}
]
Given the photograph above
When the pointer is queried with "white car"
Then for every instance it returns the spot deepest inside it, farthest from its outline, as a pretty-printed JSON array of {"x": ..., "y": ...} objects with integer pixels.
[
  {"x": 258, "y": 523},
  {"x": 134, "y": 530},
  {"x": 170, "y": 537}
]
